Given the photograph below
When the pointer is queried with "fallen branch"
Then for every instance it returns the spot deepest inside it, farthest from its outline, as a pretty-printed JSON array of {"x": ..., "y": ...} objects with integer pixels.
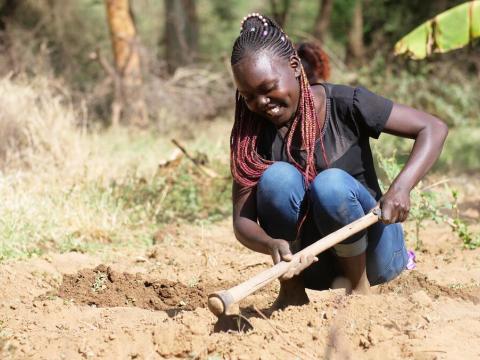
[{"x": 207, "y": 171}]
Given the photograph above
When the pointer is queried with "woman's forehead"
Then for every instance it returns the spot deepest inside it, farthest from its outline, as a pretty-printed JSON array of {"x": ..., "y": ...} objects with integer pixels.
[{"x": 258, "y": 67}]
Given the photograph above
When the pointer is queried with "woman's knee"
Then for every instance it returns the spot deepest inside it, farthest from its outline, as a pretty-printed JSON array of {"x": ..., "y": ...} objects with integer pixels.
[
  {"x": 280, "y": 193},
  {"x": 333, "y": 186},
  {"x": 280, "y": 177}
]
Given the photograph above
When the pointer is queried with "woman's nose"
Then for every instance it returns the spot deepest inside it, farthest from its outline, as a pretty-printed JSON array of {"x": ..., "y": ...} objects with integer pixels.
[{"x": 263, "y": 101}]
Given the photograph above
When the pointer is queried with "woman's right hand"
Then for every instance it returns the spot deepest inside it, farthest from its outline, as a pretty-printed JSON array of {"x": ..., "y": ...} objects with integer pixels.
[{"x": 280, "y": 250}]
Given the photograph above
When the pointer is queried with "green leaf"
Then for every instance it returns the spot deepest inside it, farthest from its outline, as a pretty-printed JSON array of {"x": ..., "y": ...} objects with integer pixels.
[
  {"x": 447, "y": 31},
  {"x": 415, "y": 43}
]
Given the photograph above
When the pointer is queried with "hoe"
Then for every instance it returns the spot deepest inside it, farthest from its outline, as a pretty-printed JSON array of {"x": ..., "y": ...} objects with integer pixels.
[{"x": 222, "y": 303}]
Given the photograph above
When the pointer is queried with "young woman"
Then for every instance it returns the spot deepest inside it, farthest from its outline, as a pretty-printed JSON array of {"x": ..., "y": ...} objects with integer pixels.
[{"x": 302, "y": 165}]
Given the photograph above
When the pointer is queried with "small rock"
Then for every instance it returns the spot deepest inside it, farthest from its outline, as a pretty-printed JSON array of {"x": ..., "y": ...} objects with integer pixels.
[
  {"x": 378, "y": 333},
  {"x": 211, "y": 348},
  {"x": 421, "y": 298},
  {"x": 364, "y": 342}
]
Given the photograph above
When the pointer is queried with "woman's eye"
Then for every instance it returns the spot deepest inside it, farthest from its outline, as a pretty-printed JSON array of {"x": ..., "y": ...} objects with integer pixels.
[{"x": 269, "y": 88}]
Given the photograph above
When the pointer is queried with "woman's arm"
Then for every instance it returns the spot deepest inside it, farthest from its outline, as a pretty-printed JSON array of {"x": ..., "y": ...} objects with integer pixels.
[
  {"x": 429, "y": 134},
  {"x": 249, "y": 232}
]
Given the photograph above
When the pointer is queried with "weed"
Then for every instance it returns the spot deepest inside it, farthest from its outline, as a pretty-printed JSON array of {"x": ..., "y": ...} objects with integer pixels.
[
  {"x": 460, "y": 227},
  {"x": 425, "y": 205},
  {"x": 100, "y": 281},
  {"x": 179, "y": 194},
  {"x": 193, "y": 282}
]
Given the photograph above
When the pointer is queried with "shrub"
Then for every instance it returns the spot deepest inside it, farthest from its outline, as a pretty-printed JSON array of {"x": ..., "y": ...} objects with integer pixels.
[{"x": 37, "y": 123}]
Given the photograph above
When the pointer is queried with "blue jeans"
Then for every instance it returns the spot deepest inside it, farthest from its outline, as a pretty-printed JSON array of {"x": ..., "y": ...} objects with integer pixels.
[{"x": 335, "y": 200}]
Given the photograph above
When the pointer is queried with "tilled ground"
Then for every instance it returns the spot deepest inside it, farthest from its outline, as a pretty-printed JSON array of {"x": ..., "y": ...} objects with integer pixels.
[{"x": 152, "y": 305}]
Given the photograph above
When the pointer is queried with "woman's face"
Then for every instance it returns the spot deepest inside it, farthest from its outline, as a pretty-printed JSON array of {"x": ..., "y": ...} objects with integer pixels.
[{"x": 269, "y": 85}]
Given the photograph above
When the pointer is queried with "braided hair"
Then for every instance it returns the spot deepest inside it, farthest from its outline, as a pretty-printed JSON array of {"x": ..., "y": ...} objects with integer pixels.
[
  {"x": 260, "y": 33},
  {"x": 314, "y": 60}
]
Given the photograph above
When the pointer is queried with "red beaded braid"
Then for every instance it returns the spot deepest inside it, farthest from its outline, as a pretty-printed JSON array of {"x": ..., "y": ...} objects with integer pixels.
[{"x": 246, "y": 164}]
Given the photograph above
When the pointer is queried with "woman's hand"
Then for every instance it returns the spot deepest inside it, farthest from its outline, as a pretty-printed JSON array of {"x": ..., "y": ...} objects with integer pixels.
[
  {"x": 280, "y": 250},
  {"x": 395, "y": 205}
]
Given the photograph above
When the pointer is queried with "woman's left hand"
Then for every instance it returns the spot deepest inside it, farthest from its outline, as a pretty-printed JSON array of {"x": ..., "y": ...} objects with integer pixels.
[{"x": 395, "y": 205}]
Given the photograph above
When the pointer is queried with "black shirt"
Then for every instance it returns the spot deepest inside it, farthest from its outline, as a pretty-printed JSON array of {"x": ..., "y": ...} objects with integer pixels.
[{"x": 353, "y": 116}]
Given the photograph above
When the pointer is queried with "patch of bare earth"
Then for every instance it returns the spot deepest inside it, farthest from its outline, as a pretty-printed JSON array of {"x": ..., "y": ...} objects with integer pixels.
[
  {"x": 105, "y": 287},
  {"x": 152, "y": 305}
]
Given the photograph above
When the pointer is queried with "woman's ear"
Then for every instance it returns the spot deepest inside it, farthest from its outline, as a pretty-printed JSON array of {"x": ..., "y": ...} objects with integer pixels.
[{"x": 296, "y": 64}]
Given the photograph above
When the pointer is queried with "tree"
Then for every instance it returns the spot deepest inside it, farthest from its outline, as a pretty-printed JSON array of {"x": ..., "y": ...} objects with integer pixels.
[
  {"x": 355, "y": 46},
  {"x": 181, "y": 33},
  {"x": 280, "y": 10},
  {"x": 322, "y": 21},
  {"x": 128, "y": 104},
  {"x": 7, "y": 11}
]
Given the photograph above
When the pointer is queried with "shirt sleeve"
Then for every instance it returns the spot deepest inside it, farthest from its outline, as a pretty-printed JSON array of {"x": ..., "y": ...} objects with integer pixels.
[{"x": 371, "y": 111}]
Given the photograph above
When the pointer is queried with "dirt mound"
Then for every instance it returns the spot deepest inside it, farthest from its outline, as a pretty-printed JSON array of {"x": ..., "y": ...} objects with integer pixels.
[
  {"x": 411, "y": 281},
  {"x": 104, "y": 287}
]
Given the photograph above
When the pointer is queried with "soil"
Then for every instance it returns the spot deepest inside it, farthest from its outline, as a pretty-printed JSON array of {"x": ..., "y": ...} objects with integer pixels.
[
  {"x": 104, "y": 287},
  {"x": 137, "y": 304}
]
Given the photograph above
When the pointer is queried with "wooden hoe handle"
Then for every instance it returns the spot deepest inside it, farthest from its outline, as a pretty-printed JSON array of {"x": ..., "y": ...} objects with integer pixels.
[{"x": 220, "y": 301}]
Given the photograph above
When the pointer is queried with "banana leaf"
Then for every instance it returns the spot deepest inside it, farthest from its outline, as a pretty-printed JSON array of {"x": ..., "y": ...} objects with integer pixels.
[{"x": 449, "y": 30}]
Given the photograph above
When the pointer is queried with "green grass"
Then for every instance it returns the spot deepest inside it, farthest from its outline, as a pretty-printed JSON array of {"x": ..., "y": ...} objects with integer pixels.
[{"x": 113, "y": 196}]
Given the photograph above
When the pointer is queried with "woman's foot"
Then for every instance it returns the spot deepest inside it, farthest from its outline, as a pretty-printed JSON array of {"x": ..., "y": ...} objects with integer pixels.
[
  {"x": 355, "y": 271},
  {"x": 362, "y": 288},
  {"x": 292, "y": 292}
]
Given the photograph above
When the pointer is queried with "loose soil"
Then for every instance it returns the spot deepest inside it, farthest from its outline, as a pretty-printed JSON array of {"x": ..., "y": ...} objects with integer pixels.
[
  {"x": 104, "y": 287},
  {"x": 137, "y": 304}
]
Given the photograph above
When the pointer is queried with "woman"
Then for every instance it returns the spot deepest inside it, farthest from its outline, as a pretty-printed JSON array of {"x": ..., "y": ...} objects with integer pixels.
[{"x": 302, "y": 165}]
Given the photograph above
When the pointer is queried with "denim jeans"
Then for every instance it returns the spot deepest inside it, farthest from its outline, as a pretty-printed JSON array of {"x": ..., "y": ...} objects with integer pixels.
[{"x": 335, "y": 199}]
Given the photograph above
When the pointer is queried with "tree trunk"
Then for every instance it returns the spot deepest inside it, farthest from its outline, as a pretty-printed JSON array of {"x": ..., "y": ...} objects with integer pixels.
[
  {"x": 322, "y": 21},
  {"x": 355, "y": 46},
  {"x": 128, "y": 105},
  {"x": 181, "y": 33},
  {"x": 7, "y": 11},
  {"x": 280, "y": 9}
]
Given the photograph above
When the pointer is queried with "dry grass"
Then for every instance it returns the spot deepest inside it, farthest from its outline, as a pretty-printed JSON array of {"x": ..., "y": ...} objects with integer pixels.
[
  {"x": 66, "y": 189},
  {"x": 37, "y": 124}
]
